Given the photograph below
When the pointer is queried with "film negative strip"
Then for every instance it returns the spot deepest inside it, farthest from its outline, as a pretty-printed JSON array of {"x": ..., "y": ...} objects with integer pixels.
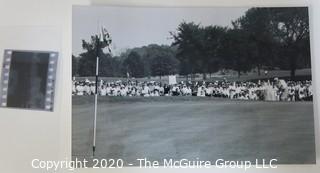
[
  {"x": 28, "y": 79},
  {"x": 52, "y": 67},
  {"x": 5, "y": 77}
]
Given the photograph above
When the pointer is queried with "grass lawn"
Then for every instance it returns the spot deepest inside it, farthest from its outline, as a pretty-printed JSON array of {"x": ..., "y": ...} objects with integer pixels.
[{"x": 193, "y": 127}]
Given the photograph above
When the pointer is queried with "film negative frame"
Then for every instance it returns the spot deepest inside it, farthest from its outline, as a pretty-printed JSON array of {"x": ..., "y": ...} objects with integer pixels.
[{"x": 50, "y": 83}]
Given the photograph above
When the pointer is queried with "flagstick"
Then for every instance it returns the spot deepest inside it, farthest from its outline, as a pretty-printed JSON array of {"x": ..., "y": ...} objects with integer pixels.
[
  {"x": 95, "y": 108},
  {"x": 98, "y": 49},
  {"x": 96, "y": 94}
]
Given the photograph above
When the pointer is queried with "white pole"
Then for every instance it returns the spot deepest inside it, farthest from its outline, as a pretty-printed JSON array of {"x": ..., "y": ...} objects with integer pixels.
[{"x": 95, "y": 108}]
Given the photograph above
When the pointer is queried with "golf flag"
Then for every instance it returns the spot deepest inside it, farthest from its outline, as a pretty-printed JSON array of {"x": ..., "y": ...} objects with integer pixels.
[{"x": 105, "y": 39}]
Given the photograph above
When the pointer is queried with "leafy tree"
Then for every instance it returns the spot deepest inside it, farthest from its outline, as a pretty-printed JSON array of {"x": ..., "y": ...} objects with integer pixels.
[
  {"x": 133, "y": 65},
  {"x": 74, "y": 66},
  {"x": 212, "y": 41},
  {"x": 86, "y": 64},
  {"x": 235, "y": 51},
  {"x": 256, "y": 23},
  {"x": 189, "y": 43},
  {"x": 291, "y": 29},
  {"x": 164, "y": 63},
  {"x": 147, "y": 55},
  {"x": 107, "y": 66},
  {"x": 87, "y": 59},
  {"x": 198, "y": 48}
]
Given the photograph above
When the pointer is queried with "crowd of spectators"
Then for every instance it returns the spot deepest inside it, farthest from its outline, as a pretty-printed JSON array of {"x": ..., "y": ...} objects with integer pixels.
[{"x": 277, "y": 90}]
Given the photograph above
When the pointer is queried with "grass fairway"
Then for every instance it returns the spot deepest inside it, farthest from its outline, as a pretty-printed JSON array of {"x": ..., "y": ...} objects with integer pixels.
[{"x": 192, "y": 127}]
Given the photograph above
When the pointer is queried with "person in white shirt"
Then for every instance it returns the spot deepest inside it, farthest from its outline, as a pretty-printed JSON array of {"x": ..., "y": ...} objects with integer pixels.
[
  {"x": 209, "y": 90},
  {"x": 80, "y": 90},
  {"x": 87, "y": 89},
  {"x": 184, "y": 90},
  {"x": 123, "y": 91},
  {"x": 283, "y": 87},
  {"x": 189, "y": 91},
  {"x": 74, "y": 91},
  {"x": 201, "y": 91},
  {"x": 145, "y": 91},
  {"x": 103, "y": 91},
  {"x": 175, "y": 90}
]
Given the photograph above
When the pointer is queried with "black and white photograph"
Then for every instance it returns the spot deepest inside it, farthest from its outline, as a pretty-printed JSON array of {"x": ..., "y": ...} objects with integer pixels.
[{"x": 194, "y": 83}]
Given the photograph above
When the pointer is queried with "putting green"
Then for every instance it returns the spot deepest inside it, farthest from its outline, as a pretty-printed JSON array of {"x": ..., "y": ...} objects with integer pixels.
[{"x": 193, "y": 127}]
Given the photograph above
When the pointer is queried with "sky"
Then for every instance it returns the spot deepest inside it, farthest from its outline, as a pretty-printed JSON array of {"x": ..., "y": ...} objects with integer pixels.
[{"x": 140, "y": 26}]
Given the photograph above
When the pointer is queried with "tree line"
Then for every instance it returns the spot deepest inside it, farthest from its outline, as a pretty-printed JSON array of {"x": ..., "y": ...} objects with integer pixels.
[
  {"x": 146, "y": 61},
  {"x": 261, "y": 38}
]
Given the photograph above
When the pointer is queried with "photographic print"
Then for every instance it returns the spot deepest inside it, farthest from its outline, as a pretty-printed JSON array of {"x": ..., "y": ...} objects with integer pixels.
[
  {"x": 28, "y": 79},
  {"x": 195, "y": 84}
]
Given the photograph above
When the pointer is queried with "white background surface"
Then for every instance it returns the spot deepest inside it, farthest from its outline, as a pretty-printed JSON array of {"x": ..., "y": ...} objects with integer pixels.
[{"x": 46, "y": 25}]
